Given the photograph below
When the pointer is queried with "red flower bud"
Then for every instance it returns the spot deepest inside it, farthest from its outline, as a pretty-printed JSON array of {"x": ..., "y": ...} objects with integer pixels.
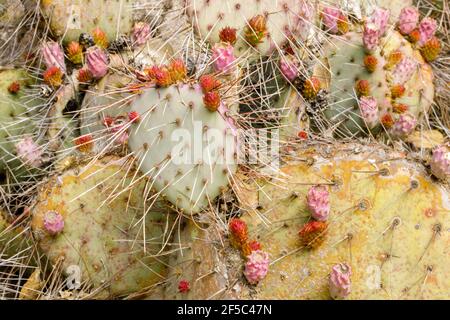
[{"x": 211, "y": 101}]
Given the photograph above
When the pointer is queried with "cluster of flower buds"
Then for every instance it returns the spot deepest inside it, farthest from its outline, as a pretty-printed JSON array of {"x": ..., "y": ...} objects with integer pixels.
[
  {"x": 318, "y": 203},
  {"x": 166, "y": 75},
  {"x": 257, "y": 261},
  {"x": 211, "y": 96},
  {"x": 289, "y": 67},
  {"x": 90, "y": 50},
  {"x": 421, "y": 33}
]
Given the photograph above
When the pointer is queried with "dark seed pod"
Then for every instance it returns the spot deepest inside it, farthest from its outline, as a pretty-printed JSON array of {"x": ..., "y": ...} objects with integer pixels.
[
  {"x": 86, "y": 40},
  {"x": 319, "y": 104},
  {"x": 119, "y": 44}
]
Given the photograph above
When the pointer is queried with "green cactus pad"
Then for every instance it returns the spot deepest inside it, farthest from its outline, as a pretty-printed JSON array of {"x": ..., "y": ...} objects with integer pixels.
[
  {"x": 345, "y": 56},
  {"x": 63, "y": 125},
  {"x": 106, "y": 223},
  {"x": 68, "y": 19},
  {"x": 15, "y": 118},
  {"x": 108, "y": 98},
  {"x": 195, "y": 261},
  {"x": 283, "y": 18},
  {"x": 188, "y": 150}
]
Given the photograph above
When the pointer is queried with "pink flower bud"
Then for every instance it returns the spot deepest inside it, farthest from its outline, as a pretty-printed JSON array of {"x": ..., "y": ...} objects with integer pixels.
[
  {"x": 408, "y": 20},
  {"x": 371, "y": 38},
  {"x": 29, "y": 152},
  {"x": 256, "y": 267},
  {"x": 53, "y": 222},
  {"x": 427, "y": 29},
  {"x": 53, "y": 56},
  {"x": 380, "y": 18},
  {"x": 97, "y": 62},
  {"x": 440, "y": 162},
  {"x": 141, "y": 33},
  {"x": 330, "y": 18},
  {"x": 405, "y": 125},
  {"x": 318, "y": 200},
  {"x": 223, "y": 57},
  {"x": 340, "y": 284},
  {"x": 369, "y": 110},
  {"x": 289, "y": 67}
]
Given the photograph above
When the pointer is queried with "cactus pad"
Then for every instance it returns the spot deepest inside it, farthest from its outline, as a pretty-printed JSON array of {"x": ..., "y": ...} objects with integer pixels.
[
  {"x": 68, "y": 19},
  {"x": 104, "y": 224},
  {"x": 388, "y": 222},
  {"x": 187, "y": 149},
  {"x": 345, "y": 58},
  {"x": 283, "y": 20},
  {"x": 15, "y": 117}
]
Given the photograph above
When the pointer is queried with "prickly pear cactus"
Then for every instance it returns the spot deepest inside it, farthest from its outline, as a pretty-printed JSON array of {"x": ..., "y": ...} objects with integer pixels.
[
  {"x": 388, "y": 222},
  {"x": 69, "y": 19},
  {"x": 108, "y": 99},
  {"x": 345, "y": 58},
  {"x": 377, "y": 78},
  {"x": 259, "y": 26},
  {"x": 185, "y": 142},
  {"x": 19, "y": 152},
  {"x": 94, "y": 218}
]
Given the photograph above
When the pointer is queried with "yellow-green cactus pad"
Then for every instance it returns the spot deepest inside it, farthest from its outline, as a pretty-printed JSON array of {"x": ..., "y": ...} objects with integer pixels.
[
  {"x": 389, "y": 221},
  {"x": 109, "y": 232}
]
